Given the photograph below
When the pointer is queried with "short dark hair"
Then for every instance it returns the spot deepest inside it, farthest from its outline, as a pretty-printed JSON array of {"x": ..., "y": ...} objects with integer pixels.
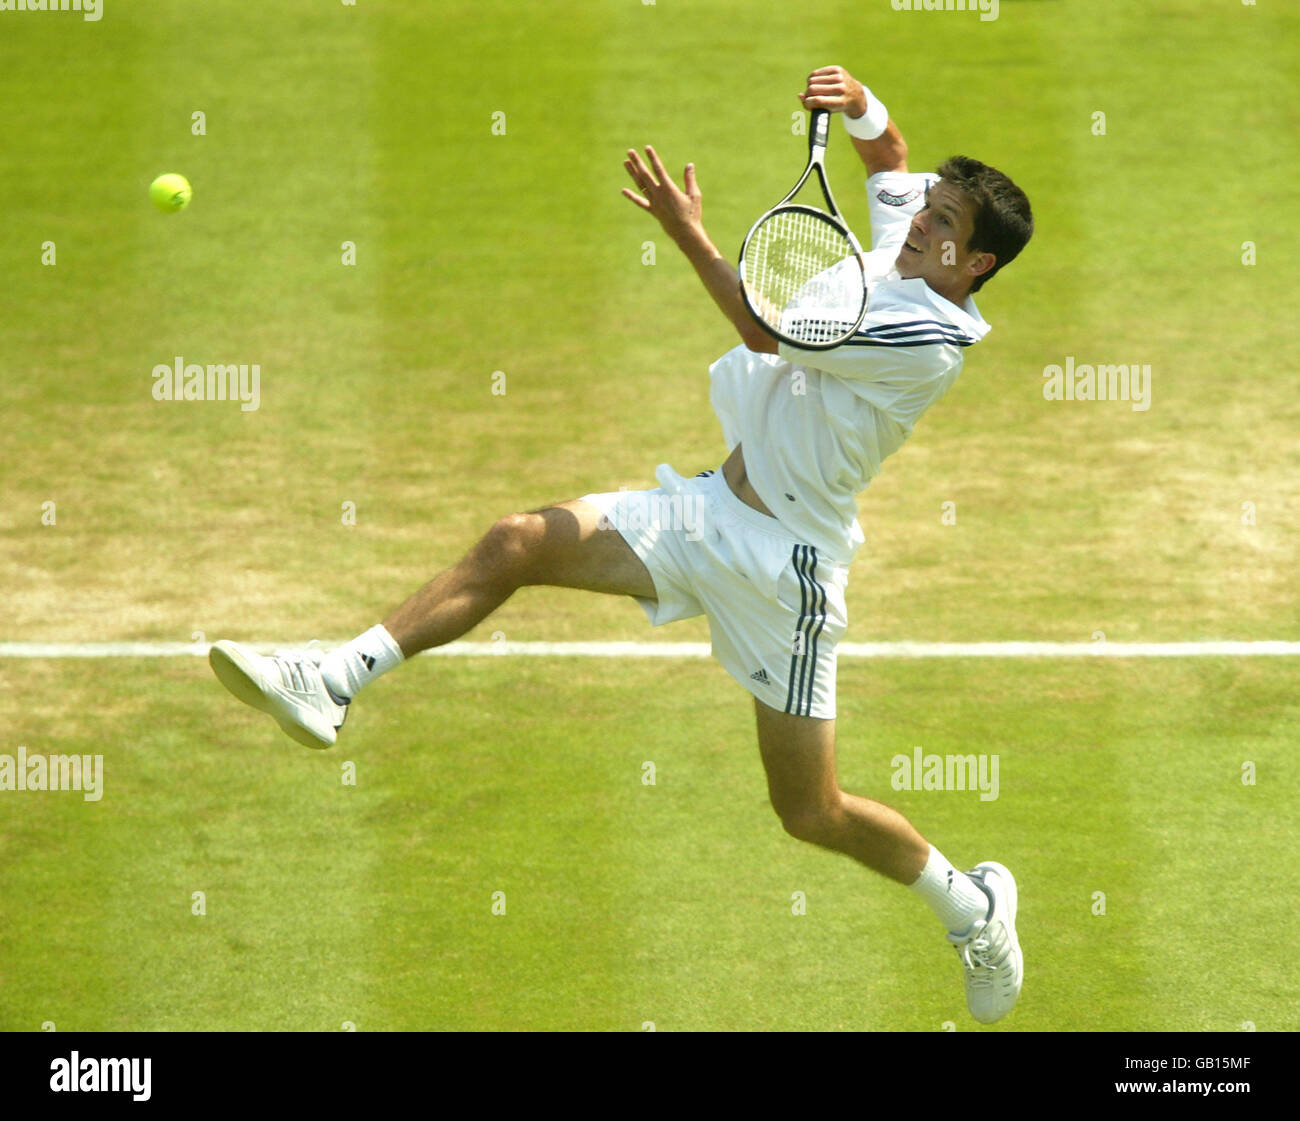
[{"x": 1003, "y": 221}]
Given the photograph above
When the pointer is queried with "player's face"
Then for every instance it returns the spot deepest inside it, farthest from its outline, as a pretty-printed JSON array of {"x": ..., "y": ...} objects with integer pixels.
[{"x": 935, "y": 249}]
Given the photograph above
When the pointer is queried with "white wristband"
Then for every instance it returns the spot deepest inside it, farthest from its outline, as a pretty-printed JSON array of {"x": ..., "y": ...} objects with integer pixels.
[{"x": 872, "y": 124}]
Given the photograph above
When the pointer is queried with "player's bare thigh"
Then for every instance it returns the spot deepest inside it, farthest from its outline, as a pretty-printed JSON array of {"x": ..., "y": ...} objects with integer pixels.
[{"x": 571, "y": 545}]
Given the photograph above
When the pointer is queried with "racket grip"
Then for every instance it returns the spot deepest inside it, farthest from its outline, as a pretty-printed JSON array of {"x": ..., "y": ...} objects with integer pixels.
[{"x": 818, "y": 130}]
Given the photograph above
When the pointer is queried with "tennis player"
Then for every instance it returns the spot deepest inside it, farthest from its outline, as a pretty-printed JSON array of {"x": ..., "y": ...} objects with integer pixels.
[{"x": 762, "y": 545}]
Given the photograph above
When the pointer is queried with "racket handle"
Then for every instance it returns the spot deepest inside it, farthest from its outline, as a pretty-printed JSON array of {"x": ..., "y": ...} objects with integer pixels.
[{"x": 818, "y": 131}]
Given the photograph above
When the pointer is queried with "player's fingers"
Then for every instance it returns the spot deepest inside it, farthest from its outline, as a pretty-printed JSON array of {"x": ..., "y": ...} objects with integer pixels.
[
  {"x": 661, "y": 172},
  {"x": 827, "y": 84},
  {"x": 644, "y": 204},
  {"x": 689, "y": 181},
  {"x": 640, "y": 172},
  {"x": 638, "y": 177},
  {"x": 827, "y": 88}
]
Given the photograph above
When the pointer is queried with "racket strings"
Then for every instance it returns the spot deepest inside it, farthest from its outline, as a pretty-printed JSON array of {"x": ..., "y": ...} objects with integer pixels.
[{"x": 803, "y": 276}]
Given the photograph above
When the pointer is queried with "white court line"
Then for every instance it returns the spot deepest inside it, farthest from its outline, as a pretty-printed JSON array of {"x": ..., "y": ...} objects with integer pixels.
[{"x": 701, "y": 649}]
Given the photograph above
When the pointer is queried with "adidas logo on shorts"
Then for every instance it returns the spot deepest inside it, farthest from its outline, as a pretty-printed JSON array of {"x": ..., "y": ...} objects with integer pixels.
[{"x": 761, "y": 677}]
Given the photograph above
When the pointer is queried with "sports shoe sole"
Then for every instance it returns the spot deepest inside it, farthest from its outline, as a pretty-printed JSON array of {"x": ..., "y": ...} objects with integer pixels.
[{"x": 235, "y": 672}]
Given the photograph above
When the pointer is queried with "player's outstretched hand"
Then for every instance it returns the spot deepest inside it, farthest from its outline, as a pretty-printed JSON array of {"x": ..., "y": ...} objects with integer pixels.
[
  {"x": 678, "y": 209},
  {"x": 834, "y": 88}
]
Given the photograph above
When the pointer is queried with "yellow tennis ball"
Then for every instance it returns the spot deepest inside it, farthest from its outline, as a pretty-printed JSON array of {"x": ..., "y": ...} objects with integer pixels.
[{"x": 170, "y": 192}]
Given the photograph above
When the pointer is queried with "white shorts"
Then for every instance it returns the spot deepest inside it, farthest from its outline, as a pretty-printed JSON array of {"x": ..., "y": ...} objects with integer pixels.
[{"x": 775, "y": 607}]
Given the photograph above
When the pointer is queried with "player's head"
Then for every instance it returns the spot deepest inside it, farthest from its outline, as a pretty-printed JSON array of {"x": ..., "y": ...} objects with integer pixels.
[{"x": 975, "y": 221}]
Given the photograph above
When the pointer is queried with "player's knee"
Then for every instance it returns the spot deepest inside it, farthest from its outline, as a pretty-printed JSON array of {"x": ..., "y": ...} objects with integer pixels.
[
  {"x": 814, "y": 824},
  {"x": 508, "y": 548}
]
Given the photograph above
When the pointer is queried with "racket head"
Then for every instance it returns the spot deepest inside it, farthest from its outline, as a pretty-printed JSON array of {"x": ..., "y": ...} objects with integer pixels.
[{"x": 803, "y": 277}]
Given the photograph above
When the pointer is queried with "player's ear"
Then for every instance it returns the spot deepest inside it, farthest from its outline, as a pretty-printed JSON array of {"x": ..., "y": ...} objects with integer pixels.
[{"x": 979, "y": 264}]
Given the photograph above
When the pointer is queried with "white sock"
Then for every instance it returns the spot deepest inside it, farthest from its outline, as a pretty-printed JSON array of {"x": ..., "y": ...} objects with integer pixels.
[
  {"x": 359, "y": 662},
  {"x": 952, "y": 895}
]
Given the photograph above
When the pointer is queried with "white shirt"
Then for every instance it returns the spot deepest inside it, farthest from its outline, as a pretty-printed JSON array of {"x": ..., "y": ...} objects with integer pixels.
[{"x": 817, "y": 425}]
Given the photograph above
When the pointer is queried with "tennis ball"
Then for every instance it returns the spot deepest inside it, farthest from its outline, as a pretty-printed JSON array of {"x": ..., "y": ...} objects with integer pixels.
[{"x": 170, "y": 192}]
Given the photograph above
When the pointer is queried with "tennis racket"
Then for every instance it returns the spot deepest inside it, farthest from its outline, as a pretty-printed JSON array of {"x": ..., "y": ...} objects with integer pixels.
[{"x": 802, "y": 273}]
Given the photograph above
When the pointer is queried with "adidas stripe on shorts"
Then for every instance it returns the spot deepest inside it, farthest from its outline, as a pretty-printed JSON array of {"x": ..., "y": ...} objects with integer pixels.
[{"x": 775, "y": 606}]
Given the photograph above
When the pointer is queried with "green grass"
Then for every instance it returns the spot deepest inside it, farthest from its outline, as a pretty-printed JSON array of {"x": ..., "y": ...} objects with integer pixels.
[
  {"x": 626, "y": 902},
  {"x": 479, "y": 253}
]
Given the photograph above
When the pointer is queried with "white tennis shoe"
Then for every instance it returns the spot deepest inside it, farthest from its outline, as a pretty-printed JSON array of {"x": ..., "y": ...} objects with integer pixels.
[
  {"x": 288, "y": 686},
  {"x": 990, "y": 950}
]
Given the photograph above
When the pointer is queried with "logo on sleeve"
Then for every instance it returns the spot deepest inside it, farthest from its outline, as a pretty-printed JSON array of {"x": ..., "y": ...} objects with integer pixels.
[{"x": 899, "y": 200}]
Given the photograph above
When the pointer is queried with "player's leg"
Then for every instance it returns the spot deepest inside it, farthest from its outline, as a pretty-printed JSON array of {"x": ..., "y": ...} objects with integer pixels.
[
  {"x": 562, "y": 546},
  {"x": 307, "y": 692},
  {"x": 799, "y": 757},
  {"x": 978, "y": 908}
]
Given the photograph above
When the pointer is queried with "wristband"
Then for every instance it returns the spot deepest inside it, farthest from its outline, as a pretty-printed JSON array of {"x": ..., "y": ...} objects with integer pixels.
[{"x": 872, "y": 124}]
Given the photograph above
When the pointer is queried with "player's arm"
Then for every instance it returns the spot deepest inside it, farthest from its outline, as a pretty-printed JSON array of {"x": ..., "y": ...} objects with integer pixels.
[
  {"x": 678, "y": 210},
  {"x": 834, "y": 88}
]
